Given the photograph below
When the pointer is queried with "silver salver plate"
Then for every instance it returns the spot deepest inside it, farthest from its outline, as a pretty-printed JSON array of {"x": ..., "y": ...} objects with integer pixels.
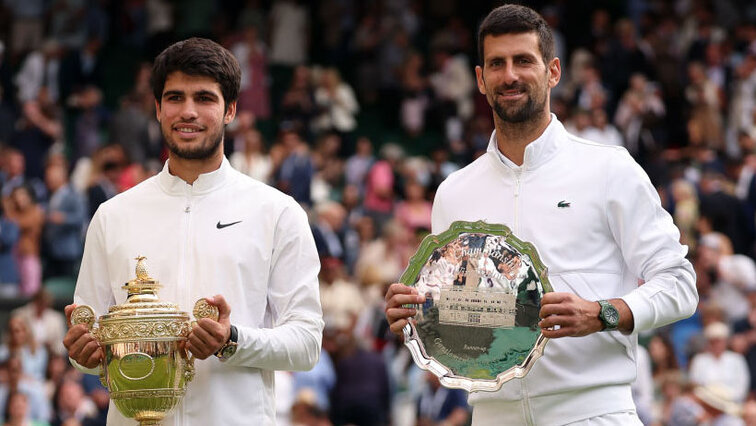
[{"x": 478, "y": 327}]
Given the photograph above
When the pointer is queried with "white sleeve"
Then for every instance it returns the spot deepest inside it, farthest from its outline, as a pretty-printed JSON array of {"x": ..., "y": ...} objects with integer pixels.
[
  {"x": 439, "y": 222},
  {"x": 93, "y": 285},
  {"x": 650, "y": 245},
  {"x": 743, "y": 380},
  {"x": 293, "y": 300}
]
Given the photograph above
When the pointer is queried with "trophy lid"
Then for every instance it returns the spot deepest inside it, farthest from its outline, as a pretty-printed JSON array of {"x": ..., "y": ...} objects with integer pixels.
[{"x": 142, "y": 297}]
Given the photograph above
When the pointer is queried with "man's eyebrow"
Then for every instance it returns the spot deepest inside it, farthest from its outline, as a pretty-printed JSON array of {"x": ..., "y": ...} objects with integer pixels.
[
  {"x": 205, "y": 93},
  {"x": 197, "y": 93},
  {"x": 172, "y": 93}
]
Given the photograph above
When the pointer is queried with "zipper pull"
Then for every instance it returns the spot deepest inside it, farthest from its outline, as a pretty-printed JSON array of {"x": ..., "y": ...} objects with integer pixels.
[{"x": 187, "y": 209}]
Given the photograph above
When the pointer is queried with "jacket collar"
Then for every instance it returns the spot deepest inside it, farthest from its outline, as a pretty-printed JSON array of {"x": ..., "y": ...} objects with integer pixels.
[
  {"x": 205, "y": 182},
  {"x": 537, "y": 152}
]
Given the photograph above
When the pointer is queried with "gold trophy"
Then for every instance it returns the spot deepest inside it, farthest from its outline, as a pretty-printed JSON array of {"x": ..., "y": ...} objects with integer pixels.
[{"x": 146, "y": 367}]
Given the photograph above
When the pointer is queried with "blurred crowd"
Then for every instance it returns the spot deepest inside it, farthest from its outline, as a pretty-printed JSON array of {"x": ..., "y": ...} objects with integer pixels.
[{"x": 359, "y": 110}]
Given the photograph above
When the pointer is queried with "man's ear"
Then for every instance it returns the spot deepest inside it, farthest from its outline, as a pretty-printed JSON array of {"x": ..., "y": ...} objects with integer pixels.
[
  {"x": 230, "y": 113},
  {"x": 480, "y": 80},
  {"x": 555, "y": 72},
  {"x": 157, "y": 110}
]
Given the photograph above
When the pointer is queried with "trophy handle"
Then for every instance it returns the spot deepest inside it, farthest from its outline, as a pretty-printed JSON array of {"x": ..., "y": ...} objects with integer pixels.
[
  {"x": 83, "y": 314},
  {"x": 203, "y": 309}
]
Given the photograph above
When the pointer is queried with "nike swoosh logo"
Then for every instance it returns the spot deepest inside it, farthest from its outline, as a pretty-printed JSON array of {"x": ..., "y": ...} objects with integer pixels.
[{"x": 224, "y": 225}]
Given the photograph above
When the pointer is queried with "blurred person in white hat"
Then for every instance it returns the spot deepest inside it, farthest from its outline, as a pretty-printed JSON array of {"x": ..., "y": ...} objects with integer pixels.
[
  {"x": 720, "y": 366},
  {"x": 710, "y": 405}
]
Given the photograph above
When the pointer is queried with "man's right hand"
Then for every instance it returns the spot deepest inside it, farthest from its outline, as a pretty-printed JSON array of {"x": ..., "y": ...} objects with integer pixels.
[
  {"x": 81, "y": 344},
  {"x": 398, "y": 295}
]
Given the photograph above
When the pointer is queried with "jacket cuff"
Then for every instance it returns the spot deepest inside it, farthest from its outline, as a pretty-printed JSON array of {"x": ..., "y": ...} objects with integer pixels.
[
  {"x": 643, "y": 318},
  {"x": 85, "y": 370}
]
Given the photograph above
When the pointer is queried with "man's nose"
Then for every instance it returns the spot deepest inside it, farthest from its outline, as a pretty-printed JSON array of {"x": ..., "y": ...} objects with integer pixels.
[
  {"x": 188, "y": 110},
  {"x": 510, "y": 74}
]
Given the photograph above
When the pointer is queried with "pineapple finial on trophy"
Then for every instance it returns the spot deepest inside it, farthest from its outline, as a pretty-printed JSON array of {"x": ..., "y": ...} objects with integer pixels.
[{"x": 141, "y": 269}]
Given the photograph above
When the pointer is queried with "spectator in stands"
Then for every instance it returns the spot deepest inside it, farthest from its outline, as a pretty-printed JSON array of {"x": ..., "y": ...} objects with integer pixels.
[
  {"x": 415, "y": 99},
  {"x": 601, "y": 130},
  {"x": 440, "y": 405},
  {"x": 40, "y": 126},
  {"x": 23, "y": 209},
  {"x": 48, "y": 325},
  {"x": 742, "y": 108},
  {"x": 17, "y": 381},
  {"x": 340, "y": 297},
  {"x": 361, "y": 394},
  {"x": 9, "y": 236},
  {"x": 358, "y": 164},
  {"x": 294, "y": 176},
  {"x": 20, "y": 342},
  {"x": 638, "y": 113},
  {"x": 705, "y": 102},
  {"x": 721, "y": 211},
  {"x": 106, "y": 171},
  {"x": 252, "y": 160},
  {"x": 732, "y": 276},
  {"x": 90, "y": 123},
  {"x": 330, "y": 230},
  {"x": 414, "y": 212},
  {"x": 17, "y": 411},
  {"x": 706, "y": 405},
  {"x": 380, "y": 183},
  {"x": 72, "y": 403},
  {"x": 385, "y": 258},
  {"x": 40, "y": 69},
  {"x": 452, "y": 86},
  {"x": 64, "y": 223},
  {"x": 720, "y": 366},
  {"x": 298, "y": 101},
  {"x": 336, "y": 103},
  {"x": 252, "y": 55},
  {"x": 13, "y": 174}
]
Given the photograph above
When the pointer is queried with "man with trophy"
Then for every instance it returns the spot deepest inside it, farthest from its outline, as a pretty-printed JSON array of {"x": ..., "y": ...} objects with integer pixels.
[
  {"x": 597, "y": 222},
  {"x": 206, "y": 229}
]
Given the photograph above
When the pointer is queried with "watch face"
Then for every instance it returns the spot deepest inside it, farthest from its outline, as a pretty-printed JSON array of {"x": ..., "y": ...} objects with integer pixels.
[
  {"x": 610, "y": 314},
  {"x": 228, "y": 351}
]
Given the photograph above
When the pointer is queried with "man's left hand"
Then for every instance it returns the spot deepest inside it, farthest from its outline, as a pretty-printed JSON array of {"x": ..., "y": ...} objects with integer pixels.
[
  {"x": 574, "y": 316},
  {"x": 208, "y": 336}
]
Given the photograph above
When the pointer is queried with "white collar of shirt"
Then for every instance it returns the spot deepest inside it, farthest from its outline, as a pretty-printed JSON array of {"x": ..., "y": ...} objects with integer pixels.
[
  {"x": 206, "y": 182},
  {"x": 537, "y": 152}
]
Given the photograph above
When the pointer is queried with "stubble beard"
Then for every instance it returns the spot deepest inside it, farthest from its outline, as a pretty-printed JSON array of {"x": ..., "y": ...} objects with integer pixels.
[
  {"x": 201, "y": 152},
  {"x": 520, "y": 114}
]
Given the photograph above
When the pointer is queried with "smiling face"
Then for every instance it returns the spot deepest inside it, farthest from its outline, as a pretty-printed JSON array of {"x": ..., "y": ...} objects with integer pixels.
[
  {"x": 192, "y": 117},
  {"x": 515, "y": 79}
]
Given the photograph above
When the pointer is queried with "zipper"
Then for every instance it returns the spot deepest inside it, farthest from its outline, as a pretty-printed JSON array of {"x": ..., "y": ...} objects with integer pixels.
[
  {"x": 527, "y": 412},
  {"x": 517, "y": 174},
  {"x": 180, "y": 417}
]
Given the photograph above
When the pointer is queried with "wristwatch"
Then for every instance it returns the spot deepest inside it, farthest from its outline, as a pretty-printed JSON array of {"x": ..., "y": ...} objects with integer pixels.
[
  {"x": 609, "y": 315},
  {"x": 229, "y": 348}
]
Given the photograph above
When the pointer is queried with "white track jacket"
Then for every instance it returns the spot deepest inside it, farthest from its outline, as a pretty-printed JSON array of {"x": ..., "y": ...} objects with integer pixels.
[
  {"x": 599, "y": 227},
  {"x": 225, "y": 234}
]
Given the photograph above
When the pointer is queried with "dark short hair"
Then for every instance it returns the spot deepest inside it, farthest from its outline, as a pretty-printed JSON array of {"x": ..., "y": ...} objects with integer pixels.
[
  {"x": 516, "y": 19},
  {"x": 198, "y": 57}
]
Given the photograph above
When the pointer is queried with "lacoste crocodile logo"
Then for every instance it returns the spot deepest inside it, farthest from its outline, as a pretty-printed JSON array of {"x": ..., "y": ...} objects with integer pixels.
[
  {"x": 224, "y": 225},
  {"x": 563, "y": 204}
]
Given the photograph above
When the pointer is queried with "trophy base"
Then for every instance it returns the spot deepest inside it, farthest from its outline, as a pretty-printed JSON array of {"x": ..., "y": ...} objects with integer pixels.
[{"x": 149, "y": 418}]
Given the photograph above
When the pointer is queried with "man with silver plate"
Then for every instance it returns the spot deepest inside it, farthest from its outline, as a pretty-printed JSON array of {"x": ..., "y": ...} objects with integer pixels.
[
  {"x": 597, "y": 222},
  {"x": 208, "y": 229}
]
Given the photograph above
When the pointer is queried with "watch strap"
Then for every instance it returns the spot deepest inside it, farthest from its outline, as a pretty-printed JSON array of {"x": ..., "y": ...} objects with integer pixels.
[{"x": 607, "y": 309}]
